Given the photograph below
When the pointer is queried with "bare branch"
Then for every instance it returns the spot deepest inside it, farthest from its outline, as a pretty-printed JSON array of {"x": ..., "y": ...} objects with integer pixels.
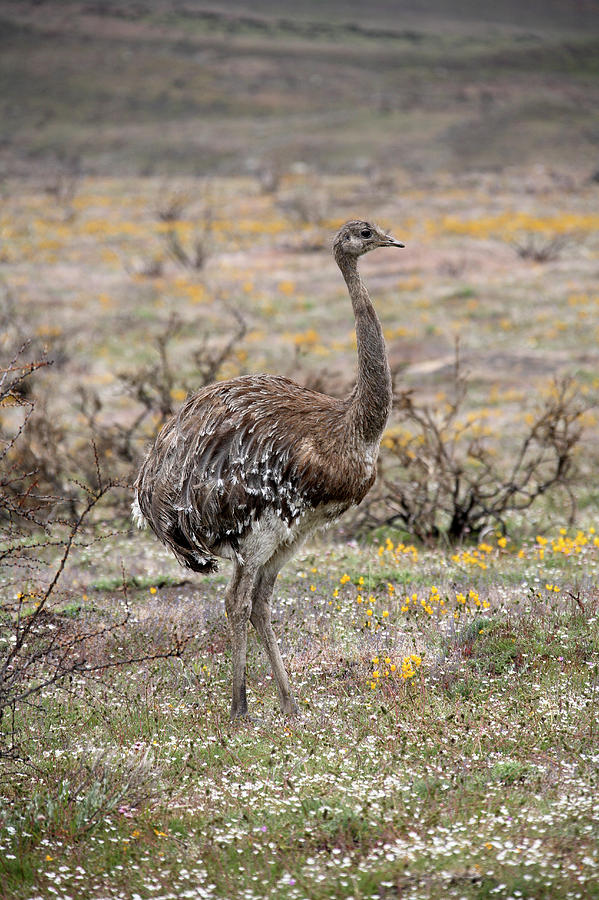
[{"x": 441, "y": 473}]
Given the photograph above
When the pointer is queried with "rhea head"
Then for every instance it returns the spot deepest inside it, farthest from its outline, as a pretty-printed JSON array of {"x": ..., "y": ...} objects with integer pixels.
[{"x": 357, "y": 237}]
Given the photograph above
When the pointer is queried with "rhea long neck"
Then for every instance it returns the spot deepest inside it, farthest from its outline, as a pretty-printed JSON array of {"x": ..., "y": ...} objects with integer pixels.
[{"x": 370, "y": 400}]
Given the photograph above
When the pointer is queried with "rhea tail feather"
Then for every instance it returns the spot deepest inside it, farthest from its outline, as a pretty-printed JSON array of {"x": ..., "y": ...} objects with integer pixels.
[
  {"x": 186, "y": 555},
  {"x": 137, "y": 515}
]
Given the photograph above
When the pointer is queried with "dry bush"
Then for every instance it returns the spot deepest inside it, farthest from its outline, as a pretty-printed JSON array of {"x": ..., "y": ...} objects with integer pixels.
[
  {"x": 193, "y": 252},
  {"x": 444, "y": 475},
  {"x": 33, "y": 446},
  {"x": 33, "y": 651},
  {"x": 40, "y": 648},
  {"x": 192, "y": 255},
  {"x": 155, "y": 389},
  {"x": 63, "y": 187},
  {"x": 541, "y": 247},
  {"x": 170, "y": 207}
]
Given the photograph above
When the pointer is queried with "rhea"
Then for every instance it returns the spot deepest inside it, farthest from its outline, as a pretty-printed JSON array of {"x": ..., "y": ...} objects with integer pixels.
[{"x": 249, "y": 467}]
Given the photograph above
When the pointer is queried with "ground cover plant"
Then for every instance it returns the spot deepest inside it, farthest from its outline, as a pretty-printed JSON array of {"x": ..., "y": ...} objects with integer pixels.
[{"x": 446, "y": 745}]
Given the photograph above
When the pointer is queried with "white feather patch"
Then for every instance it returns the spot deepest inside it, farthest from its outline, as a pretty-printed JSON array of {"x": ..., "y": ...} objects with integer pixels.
[{"x": 137, "y": 515}]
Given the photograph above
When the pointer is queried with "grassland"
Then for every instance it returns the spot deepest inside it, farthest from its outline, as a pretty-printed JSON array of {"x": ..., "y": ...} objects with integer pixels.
[
  {"x": 94, "y": 277},
  {"x": 173, "y": 170},
  {"x": 447, "y": 745}
]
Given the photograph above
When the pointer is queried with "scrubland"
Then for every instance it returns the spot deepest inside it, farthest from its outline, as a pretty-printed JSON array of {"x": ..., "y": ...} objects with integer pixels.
[
  {"x": 171, "y": 181},
  {"x": 447, "y": 743}
]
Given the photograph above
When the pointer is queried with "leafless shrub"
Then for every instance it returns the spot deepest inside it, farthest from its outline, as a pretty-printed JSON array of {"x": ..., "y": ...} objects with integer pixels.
[
  {"x": 193, "y": 256},
  {"x": 306, "y": 204},
  {"x": 194, "y": 253},
  {"x": 63, "y": 188},
  {"x": 541, "y": 247},
  {"x": 443, "y": 473},
  {"x": 170, "y": 208},
  {"x": 40, "y": 649},
  {"x": 156, "y": 388}
]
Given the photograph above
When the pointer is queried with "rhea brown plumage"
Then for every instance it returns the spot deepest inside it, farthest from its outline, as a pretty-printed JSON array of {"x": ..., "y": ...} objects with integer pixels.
[{"x": 248, "y": 467}]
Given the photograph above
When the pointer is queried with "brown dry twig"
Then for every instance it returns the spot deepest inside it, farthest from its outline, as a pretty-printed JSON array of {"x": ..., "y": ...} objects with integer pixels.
[
  {"x": 39, "y": 648},
  {"x": 542, "y": 248},
  {"x": 154, "y": 388}
]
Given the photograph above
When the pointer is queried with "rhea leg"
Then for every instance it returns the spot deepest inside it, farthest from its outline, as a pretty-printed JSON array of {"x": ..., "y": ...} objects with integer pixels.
[
  {"x": 238, "y": 604},
  {"x": 261, "y": 620}
]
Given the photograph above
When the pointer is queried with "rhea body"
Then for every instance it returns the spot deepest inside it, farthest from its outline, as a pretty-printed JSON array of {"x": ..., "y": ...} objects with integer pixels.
[{"x": 249, "y": 467}]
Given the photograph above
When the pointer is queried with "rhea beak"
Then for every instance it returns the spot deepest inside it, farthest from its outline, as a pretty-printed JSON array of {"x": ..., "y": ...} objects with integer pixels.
[{"x": 391, "y": 242}]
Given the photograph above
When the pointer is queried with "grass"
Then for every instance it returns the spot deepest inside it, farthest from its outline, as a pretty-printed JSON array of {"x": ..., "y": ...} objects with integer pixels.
[
  {"x": 113, "y": 582},
  {"x": 473, "y": 777}
]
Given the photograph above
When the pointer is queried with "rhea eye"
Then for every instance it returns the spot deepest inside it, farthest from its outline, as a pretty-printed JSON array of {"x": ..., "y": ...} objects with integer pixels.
[{"x": 366, "y": 233}]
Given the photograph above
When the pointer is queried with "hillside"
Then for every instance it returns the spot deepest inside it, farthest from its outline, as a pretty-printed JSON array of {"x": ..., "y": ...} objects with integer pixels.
[{"x": 163, "y": 88}]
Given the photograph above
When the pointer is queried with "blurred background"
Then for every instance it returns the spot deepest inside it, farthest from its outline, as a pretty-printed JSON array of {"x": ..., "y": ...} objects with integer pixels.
[{"x": 182, "y": 87}]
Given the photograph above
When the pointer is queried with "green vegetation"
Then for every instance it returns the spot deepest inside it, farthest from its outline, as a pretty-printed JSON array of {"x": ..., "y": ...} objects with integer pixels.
[{"x": 471, "y": 774}]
